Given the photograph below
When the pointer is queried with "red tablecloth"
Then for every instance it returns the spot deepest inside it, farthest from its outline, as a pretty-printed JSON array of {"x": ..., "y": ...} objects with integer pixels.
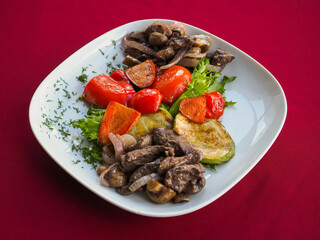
[{"x": 278, "y": 199}]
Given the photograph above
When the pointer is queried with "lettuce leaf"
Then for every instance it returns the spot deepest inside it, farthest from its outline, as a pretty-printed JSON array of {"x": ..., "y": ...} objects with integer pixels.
[{"x": 90, "y": 124}]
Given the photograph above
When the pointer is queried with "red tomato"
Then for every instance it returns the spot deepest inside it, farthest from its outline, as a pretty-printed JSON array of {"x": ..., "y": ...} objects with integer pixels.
[
  {"x": 120, "y": 77},
  {"x": 215, "y": 105},
  {"x": 101, "y": 90},
  {"x": 172, "y": 83},
  {"x": 146, "y": 101}
]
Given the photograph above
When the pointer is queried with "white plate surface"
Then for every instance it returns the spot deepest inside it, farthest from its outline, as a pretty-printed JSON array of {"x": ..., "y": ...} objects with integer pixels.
[{"x": 254, "y": 122}]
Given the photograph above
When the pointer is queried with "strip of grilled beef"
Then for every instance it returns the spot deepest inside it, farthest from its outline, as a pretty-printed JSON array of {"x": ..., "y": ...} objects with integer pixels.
[
  {"x": 170, "y": 162},
  {"x": 131, "y": 160},
  {"x": 146, "y": 169},
  {"x": 220, "y": 59},
  {"x": 169, "y": 138},
  {"x": 179, "y": 177}
]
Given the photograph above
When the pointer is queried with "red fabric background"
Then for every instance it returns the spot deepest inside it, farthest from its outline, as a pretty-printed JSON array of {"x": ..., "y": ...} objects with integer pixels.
[{"x": 278, "y": 199}]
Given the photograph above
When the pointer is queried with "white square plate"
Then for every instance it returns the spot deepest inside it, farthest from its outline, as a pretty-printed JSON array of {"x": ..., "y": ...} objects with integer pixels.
[{"x": 254, "y": 122}]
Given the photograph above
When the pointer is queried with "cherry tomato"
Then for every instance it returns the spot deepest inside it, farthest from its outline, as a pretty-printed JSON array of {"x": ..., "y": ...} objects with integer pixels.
[
  {"x": 215, "y": 105},
  {"x": 146, "y": 101},
  {"x": 172, "y": 83},
  {"x": 101, "y": 90},
  {"x": 120, "y": 77}
]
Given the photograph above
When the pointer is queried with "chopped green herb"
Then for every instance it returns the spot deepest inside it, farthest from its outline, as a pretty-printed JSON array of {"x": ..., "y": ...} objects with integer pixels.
[
  {"x": 67, "y": 94},
  {"x": 63, "y": 111},
  {"x": 77, "y": 109},
  {"x": 48, "y": 123},
  {"x": 101, "y": 52},
  {"x": 84, "y": 69},
  {"x": 83, "y": 78},
  {"x": 59, "y": 103},
  {"x": 114, "y": 43},
  {"x": 64, "y": 81}
]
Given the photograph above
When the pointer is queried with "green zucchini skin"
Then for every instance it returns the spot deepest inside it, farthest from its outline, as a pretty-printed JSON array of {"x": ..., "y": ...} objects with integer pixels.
[{"x": 209, "y": 137}]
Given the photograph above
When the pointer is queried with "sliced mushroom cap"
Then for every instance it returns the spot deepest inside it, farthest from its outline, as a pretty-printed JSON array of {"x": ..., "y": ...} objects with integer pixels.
[
  {"x": 202, "y": 41},
  {"x": 181, "y": 197},
  {"x": 158, "y": 193},
  {"x": 116, "y": 177},
  {"x": 178, "y": 27},
  {"x": 195, "y": 55},
  {"x": 157, "y": 39},
  {"x": 158, "y": 27},
  {"x": 195, "y": 186}
]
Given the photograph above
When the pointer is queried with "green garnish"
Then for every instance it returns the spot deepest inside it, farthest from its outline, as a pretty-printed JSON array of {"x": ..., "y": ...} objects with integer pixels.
[
  {"x": 90, "y": 124},
  {"x": 101, "y": 52},
  {"x": 83, "y": 78},
  {"x": 203, "y": 81},
  {"x": 114, "y": 43},
  {"x": 67, "y": 94},
  {"x": 90, "y": 148}
]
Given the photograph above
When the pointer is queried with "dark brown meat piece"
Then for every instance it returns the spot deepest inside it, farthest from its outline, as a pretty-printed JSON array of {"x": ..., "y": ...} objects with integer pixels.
[
  {"x": 131, "y": 160},
  {"x": 169, "y": 138},
  {"x": 170, "y": 162},
  {"x": 145, "y": 141},
  {"x": 220, "y": 59},
  {"x": 136, "y": 54},
  {"x": 178, "y": 178},
  {"x": 137, "y": 36},
  {"x": 146, "y": 169},
  {"x": 166, "y": 53},
  {"x": 180, "y": 42},
  {"x": 130, "y": 61}
]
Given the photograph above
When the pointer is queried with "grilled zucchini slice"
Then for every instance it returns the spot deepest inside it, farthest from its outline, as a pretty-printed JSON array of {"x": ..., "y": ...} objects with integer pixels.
[
  {"x": 148, "y": 122},
  {"x": 209, "y": 137}
]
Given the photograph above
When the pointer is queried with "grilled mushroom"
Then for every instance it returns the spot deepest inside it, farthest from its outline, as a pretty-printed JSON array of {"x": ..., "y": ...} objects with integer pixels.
[
  {"x": 158, "y": 193},
  {"x": 157, "y": 39},
  {"x": 158, "y": 27},
  {"x": 202, "y": 41},
  {"x": 177, "y": 29}
]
